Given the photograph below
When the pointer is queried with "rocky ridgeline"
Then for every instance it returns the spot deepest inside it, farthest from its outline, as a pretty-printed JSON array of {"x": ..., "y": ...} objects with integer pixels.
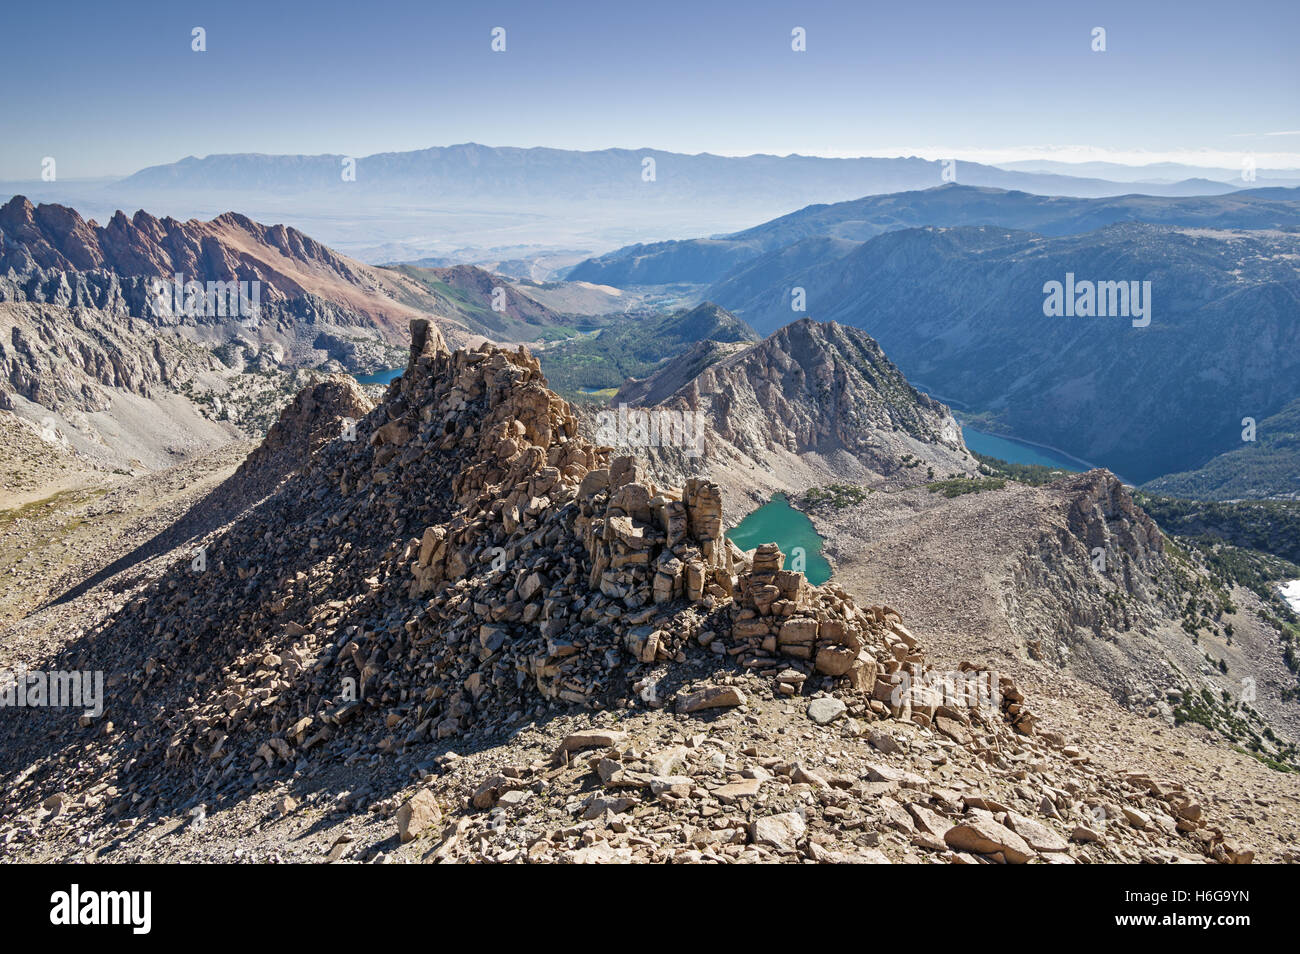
[
  {"x": 458, "y": 563},
  {"x": 304, "y": 303},
  {"x": 54, "y": 243},
  {"x": 310, "y": 421}
]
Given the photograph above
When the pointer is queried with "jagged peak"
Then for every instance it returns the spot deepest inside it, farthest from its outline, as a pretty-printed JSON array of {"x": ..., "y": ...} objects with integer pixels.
[{"x": 19, "y": 205}]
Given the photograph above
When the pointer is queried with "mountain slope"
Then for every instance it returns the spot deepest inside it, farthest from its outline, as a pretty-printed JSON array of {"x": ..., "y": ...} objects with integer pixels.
[
  {"x": 484, "y": 303},
  {"x": 1268, "y": 466},
  {"x": 1074, "y": 577},
  {"x": 146, "y": 339},
  {"x": 676, "y": 373},
  {"x": 112, "y": 389}
]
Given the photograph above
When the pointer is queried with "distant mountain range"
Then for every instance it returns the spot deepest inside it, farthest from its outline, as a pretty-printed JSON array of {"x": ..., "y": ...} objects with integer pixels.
[
  {"x": 1157, "y": 172},
  {"x": 471, "y": 172},
  {"x": 710, "y": 259},
  {"x": 475, "y": 203}
]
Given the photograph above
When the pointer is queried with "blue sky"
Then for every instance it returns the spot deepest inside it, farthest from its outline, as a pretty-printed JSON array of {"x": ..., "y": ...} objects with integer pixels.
[{"x": 109, "y": 88}]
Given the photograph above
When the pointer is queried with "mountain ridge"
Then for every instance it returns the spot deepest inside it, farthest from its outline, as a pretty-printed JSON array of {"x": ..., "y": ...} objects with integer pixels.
[
  {"x": 711, "y": 259},
  {"x": 375, "y": 629}
]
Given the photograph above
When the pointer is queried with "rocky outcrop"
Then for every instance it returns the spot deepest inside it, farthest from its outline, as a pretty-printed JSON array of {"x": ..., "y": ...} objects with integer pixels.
[
  {"x": 1101, "y": 574},
  {"x": 469, "y": 562},
  {"x": 318, "y": 415},
  {"x": 468, "y": 553},
  {"x": 1103, "y": 515}
]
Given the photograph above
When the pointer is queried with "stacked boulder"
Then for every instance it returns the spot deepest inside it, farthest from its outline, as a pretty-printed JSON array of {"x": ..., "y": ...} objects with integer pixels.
[
  {"x": 778, "y": 613},
  {"x": 651, "y": 545}
]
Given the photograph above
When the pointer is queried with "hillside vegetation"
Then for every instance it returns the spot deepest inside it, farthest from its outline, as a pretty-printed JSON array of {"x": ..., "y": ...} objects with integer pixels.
[{"x": 633, "y": 347}]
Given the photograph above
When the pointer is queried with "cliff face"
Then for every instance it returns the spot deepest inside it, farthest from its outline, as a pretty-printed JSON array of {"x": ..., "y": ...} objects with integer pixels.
[
  {"x": 64, "y": 358},
  {"x": 1094, "y": 592}
]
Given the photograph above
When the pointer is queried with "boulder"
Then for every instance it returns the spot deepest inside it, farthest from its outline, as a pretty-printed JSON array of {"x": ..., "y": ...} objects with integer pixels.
[
  {"x": 984, "y": 836},
  {"x": 418, "y": 813}
]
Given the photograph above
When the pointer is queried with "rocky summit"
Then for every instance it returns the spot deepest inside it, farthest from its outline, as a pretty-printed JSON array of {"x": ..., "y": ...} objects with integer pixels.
[
  {"x": 449, "y": 627},
  {"x": 813, "y": 402}
]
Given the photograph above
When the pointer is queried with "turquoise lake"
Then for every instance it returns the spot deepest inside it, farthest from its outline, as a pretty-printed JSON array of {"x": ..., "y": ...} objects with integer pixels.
[
  {"x": 1017, "y": 452},
  {"x": 778, "y": 522},
  {"x": 379, "y": 377}
]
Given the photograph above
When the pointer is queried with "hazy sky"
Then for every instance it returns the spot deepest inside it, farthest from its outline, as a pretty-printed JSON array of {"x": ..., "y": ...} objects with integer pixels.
[{"x": 108, "y": 88}]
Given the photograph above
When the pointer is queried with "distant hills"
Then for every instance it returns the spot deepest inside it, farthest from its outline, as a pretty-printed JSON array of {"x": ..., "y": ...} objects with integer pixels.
[
  {"x": 481, "y": 301},
  {"x": 1156, "y": 172},
  {"x": 708, "y": 260}
]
